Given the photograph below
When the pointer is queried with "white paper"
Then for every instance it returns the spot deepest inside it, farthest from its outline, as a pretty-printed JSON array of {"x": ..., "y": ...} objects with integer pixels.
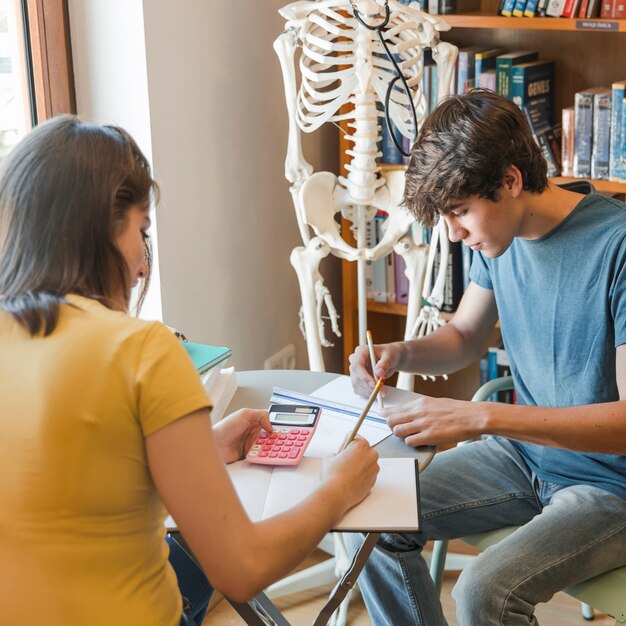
[{"x": 391, "y": 505}]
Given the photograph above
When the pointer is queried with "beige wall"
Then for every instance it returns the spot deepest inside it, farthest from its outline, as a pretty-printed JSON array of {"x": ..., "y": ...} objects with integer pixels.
[{"x": 217, "y": 138}]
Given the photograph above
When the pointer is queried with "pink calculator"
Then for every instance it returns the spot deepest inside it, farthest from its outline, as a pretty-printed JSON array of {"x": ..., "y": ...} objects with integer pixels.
[{"x": 293, "y": 428}]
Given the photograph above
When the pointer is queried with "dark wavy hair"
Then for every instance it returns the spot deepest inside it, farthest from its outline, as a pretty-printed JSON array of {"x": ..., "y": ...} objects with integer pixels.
[
  {"x": 65, "y": 192},
  {"x": 463, "y": 148}
]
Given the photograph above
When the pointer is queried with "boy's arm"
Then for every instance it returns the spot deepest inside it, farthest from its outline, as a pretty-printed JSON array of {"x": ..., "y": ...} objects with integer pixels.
[
  {"x": 589, "y": 428},
  {"x": 449, "y": 349}
]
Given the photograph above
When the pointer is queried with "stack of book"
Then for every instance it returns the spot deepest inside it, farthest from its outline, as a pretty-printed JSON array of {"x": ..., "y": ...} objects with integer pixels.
[
  {"x": 220, "y": 383},
  {"x": 594, "y": 134}
]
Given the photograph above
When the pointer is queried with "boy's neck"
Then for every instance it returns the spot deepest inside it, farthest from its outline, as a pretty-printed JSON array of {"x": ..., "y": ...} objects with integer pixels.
[{"x": 546, "y": 210}]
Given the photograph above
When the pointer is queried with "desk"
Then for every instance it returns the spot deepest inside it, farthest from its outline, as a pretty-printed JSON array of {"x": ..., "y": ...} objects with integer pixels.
[{"x": 254, "y": 389}]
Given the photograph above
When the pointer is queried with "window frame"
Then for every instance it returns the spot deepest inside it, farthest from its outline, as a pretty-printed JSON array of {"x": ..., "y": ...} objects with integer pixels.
[{"x": 50, "y": 49}]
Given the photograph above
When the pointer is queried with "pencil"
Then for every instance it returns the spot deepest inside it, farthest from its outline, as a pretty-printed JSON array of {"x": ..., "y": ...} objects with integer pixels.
[
  {"x": 368, "y": 406},
  {"x": 370, "y": 344}
]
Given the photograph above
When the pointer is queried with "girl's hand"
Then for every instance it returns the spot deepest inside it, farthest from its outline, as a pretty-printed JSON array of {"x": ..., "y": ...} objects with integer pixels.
[{"x": 237, "y": 432}]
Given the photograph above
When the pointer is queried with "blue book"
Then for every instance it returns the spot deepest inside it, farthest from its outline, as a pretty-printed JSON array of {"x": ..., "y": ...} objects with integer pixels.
[
  {"x": 583, "y": 131},
  {"x": 434, "y": 87},
  {"x": 504, "y": 63},
  {"x": 206, "y": 357},
  {"x": 485, "y": 60},
  {"x": 600, "y": 135},
  {"x": 531, "y": 8},
  {"x": 391, "y": 154},
  {"x": 507, "y": 8},
  {"x": 617, "y": 167},
  {"x": 518, "y": 8},
  {"x": 623, "y": 142},
  {"x": 532, "y": 88}
]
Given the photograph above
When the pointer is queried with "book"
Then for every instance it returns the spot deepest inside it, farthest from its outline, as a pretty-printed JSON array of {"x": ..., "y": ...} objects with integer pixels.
[
  {"x": 550, "y": 149},
  {"x": 593, "y": 8},
  {"x": 379, "y": 267},
  {"x": 206, "y": 357},
  {"x": 571, "y": 8},
  {"x": 582, "y": 10},
  {"x": 507, "y": 7},
  {"x": 498, "y": 365},
  {"x": 466, "y": 68},
  {"x": 583, "y": 119},
  {"x": 619, "y": 10},
  {"x": 488, "y": 80},
  {"x": 532, "y": 88},
  {"x": 392, "y": 505},
  {"x": 221, "y": 388},
  {"x": 600, "y": 134},
  {"x": 453, "y": 286},
  {"x": 504, "y": 63},
  {"x": 623, "y": 142},
  {"x": 518, "y": 8},
  {"x": 401, "y": 280},
  {"x": 617, "y": 168},
  {"x": 607, "y": 9},
  {"x": 567, "y": 142},
  {"x": 555, "y": 8},
  {"x": 485, "y": 60},
  {"x": 391, "y": 154},
  {"x": 531, "y": 8}
]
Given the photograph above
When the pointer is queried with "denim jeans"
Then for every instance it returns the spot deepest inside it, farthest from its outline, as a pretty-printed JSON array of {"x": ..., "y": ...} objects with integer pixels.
[
  {"x": 193, "y": 584},
  {"x": 569, "y": 534}
]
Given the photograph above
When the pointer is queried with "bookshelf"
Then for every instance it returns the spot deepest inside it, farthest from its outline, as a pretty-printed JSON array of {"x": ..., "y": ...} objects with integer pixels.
[{"x": 587, "y": 53}]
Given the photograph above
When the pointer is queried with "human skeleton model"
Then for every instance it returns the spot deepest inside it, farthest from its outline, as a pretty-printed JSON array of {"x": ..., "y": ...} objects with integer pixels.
[{"x": 344, "y": 62}]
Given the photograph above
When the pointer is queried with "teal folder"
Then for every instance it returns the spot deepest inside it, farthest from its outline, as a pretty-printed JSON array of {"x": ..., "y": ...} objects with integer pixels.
[{"x": 206, "y": 357}]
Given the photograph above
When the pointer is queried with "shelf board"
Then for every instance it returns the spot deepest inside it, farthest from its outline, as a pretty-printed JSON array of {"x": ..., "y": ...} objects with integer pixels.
[
  {"x": 600, "y": 185},
  {"x": 488, "y": 20},
  {"x": 393, "y": 308}
]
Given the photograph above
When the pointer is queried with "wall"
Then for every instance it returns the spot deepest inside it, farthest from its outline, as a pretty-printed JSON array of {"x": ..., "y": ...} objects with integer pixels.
[{"x": 217, "y": 137}]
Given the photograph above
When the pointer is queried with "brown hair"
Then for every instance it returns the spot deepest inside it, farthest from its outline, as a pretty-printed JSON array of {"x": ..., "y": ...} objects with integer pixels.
[
  {"x": 65, "y": 191},
  {"x": 463, "y": 148}
]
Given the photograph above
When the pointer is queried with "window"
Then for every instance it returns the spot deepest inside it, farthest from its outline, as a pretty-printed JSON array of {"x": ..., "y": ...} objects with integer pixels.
[{"x": 36, "y": 79}]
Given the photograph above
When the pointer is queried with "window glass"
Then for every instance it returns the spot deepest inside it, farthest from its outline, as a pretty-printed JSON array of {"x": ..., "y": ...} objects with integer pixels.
[{"x": 16, "y": 117}]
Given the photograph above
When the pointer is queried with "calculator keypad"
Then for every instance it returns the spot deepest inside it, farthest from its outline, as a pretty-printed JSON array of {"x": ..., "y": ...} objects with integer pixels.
[{"x": 283, "y": 446}]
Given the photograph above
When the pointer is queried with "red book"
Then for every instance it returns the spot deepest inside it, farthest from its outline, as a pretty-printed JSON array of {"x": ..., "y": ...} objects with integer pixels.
[
  {"x": 571, "y": 8},
  {"x": 582, "y": 12},
  {"x": 619, "y": 9},
  {"x": 606, "y": 9}
]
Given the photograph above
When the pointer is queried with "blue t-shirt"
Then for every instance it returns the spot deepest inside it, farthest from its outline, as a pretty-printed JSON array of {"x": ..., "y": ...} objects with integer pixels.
[{"x": 562, "y": 306}]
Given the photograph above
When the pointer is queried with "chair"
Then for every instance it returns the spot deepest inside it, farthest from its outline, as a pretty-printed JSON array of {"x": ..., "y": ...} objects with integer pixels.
[{"x": 606, "y": 593}]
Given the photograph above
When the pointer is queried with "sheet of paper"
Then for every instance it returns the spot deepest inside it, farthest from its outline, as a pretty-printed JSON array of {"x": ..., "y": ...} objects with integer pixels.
[
  {"x": 336, "y": 421},
  {"x": 391, "y": 505}
]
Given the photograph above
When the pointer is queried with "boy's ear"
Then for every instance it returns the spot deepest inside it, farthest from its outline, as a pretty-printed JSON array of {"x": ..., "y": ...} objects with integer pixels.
[{"x": 513, "y": 180}]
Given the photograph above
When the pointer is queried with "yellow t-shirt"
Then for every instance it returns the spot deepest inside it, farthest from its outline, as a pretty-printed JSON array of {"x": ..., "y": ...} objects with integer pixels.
[{"x": 81, "y": 523}]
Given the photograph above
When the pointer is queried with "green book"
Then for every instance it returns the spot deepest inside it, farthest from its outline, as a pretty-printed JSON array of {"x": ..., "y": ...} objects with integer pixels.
[
  {"x": 206, "y": 357},
  {"x": 505, "y": 62}
]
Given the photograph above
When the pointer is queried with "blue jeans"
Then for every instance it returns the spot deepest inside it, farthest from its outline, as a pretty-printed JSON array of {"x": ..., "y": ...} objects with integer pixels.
[
  {"x": 569, "y": 534},
  {"x": 193, "y": 584}
]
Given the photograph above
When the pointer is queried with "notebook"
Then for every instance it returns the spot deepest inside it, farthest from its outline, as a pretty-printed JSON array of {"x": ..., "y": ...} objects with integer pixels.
[{"x": 206, "y": 357}]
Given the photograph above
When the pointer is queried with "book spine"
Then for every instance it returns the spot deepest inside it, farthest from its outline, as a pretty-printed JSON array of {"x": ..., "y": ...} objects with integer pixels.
[
  {"x": 507, "y": 8},
  {"x": 600, "y": 136},
  {"x": 567, "y": 142},
  {"x": 616, "y": 167},
  {"x": 582, "y": 10},
  {"x": 447, "y": 7},
  {"x": 606, "y": 9},
  {"x": 370, "y": 242},
  {"x": 433, "y": 7},
  {"x": 492, "y": 368},
  {"x": 503, "y": 71},
  {"x": 401, "y": 280},
  {"x": 379, "y": 268},
  {"x": 623, "y": 142},
  {"x": 488, "y": 80},
  {"x": 619, "y": 10},
  {"x": 391, "y": 154},
  {"x": 434, "y": 87},
  {"x": 390, "y": 279},
  {"x": 453, "y": 287},
  {"x": 568, "y": 8},
  {"x": 555, "y": 8},
  {"x": 583, "y": 104},
  {"x": 531, "y": 8},
  {"x": 518, "y": 8}
]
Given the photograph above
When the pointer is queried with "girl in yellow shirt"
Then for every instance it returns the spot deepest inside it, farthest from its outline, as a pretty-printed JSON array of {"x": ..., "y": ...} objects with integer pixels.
[{"x": 103, "y": 418}]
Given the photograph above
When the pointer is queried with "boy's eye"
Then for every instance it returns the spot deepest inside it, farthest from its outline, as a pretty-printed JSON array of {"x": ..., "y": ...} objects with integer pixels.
[{"x": 460, "y": 213}]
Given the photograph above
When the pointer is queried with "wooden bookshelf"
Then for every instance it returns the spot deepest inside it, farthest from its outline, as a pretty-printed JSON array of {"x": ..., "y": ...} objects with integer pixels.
[{"x": 587, "y": 53}]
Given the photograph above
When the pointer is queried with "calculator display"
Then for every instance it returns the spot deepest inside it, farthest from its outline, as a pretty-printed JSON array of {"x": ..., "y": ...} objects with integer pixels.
[{"x": 293, "y": 418}]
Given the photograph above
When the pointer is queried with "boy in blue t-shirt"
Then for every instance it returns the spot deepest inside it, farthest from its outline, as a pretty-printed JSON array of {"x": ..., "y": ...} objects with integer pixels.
[{"x": 550, "y": 263}]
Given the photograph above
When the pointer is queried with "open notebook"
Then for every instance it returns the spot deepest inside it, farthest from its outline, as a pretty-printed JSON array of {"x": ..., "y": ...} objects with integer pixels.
[{"x": 393, "y": 503}]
